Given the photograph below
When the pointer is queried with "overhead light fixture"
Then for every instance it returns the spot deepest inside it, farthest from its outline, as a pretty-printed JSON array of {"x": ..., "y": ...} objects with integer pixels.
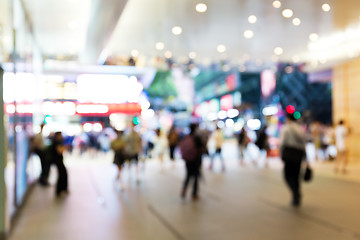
[
  {"x": 258, "y": 62},
  {"x": 168, "y": 54},
  {"x": 159, "y": 45},
  {"x": 326, "y": 7},
  {"x": 296, "y": 21},
  {"x": 201, "y": 7},
  {"x": 72, "y": 51},
  {"x": 248, "y": 34},
  {"x": 176, "y": 30},
  {"x": 252, "y": 19},
  {"x": 274, "y": 58},
  {"x": 296, "y": 59},
  {"x": 276, "y": 4},
  {"x": 192, "y": 55},
  {"x": 278, "y": 51},
  {"x": 221, "y": 48},
  {"x": 314, "y": 63},
  {"x": 242, "y": 68},
  {"x": 313, "y": 37},
  {"x": 72, "y": 24},
  {"x": 323, "y": 60},
  {"x": 226, "y": 68},
  {"x": 287, "y": 13},
  {"x": 134, "y": 53}
]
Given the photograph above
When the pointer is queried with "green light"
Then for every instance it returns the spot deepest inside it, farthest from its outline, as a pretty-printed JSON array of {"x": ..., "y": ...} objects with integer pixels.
[
  {"x": 48, "y": 119},
  {"x": 136, "y": 120},
  {"x": 297, "y": 115}
]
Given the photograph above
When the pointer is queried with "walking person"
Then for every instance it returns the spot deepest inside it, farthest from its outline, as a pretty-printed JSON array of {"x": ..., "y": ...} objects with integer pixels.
[
  {"x": 292, "y": 148},
  {"x": 263, "y": 144},
  {"x": 191, "y": 150},
  {"x": 160, "y": 146},
  {"x": 173, "y": 139},
  {"x": 218, "y": 137},
  {"x": 329, "y": 141},
  {"x": 341, "y": 133},
  {"x": 133, "y": 148},
  {"x": 316, "y": 131},
  {"x": 118, "y": 146},
  {"x": 38, "y": 147},
  {"x": 243, "y": 141},
  {"x": 57, "y": 149}
]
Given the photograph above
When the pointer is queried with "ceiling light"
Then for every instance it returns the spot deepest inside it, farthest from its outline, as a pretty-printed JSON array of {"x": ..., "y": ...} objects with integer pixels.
[
  {"x": 242, "y": 68},
  {"x": 248, "y": 34},
  {"x": 168, "y": 54},
  {"x": 7, "y": 39},
  {"x": 278, "y": 51},
  {"x": 274, "y": 58},
  {"x": 72, "y": 51},
  {"x": 206, "y": 61},
  {"x": 287, "y": 13},
  {"x": 176, "y": 30},
  {"x": 314, "y": 63},
  {"x": 322, "y": 60},
  {"x": 258, "y": 62},
  {"x": 276, "y": 4},
  {"x": 326, "y": 7},
  {"x": 313, "y": 37},
  {"x": 221, "y": 48},
  {"x": 226, "y": 68},
  {"x": 296, "y": 59},
  {"x": 192, "y": 55},
  {"x": 351, "y": 54},
  {"x": 252, "y": 19},
  {"x": 159, "y": 46},
  {"x": 201, "y": 7},
  {"x": 72, "y": 24},
  {"x": 134, "y": 53},
  {"x": 296, "y": 21}
]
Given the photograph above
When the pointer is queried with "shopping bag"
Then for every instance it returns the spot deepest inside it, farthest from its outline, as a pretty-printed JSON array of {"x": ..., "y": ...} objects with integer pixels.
[{"x": 308, "y": 174}]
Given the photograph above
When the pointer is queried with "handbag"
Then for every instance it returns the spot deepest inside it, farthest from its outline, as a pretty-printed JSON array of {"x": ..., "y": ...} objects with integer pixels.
[{"x": 308, "y": 175}]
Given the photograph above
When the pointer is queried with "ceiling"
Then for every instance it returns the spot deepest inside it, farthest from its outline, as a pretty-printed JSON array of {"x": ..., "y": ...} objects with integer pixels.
[{"x": 94, "y": 30}]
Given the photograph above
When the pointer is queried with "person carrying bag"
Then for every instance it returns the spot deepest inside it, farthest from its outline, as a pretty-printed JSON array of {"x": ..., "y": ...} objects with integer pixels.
[{"x": 292, "y": 148}]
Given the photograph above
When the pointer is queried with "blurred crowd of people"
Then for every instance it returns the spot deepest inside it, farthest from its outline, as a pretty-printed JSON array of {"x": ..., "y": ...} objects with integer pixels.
[{"x": 131, "y": 146}]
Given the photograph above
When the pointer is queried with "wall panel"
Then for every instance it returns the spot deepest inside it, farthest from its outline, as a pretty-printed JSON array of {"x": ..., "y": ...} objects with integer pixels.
[{"x": 346, "y": 103}]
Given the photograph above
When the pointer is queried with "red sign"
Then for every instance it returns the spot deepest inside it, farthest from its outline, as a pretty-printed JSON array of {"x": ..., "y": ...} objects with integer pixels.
[{"x": 226, "y": 102}]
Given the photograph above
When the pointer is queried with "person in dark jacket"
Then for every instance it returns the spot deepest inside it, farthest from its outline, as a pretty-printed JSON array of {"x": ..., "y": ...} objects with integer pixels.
[
  {"x": 57, "y": 149},
  {"x": 173, "y": 139},
  {"x": 192, "y": 163},
  {"x": 262, "y": 143}
]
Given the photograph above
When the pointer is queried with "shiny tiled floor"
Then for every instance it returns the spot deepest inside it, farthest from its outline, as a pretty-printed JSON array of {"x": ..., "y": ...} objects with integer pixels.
[{"x": 249, "y": 202}]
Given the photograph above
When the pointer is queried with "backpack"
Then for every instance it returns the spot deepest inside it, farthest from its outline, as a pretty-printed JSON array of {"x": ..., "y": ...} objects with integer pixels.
[{"x": 188, "y": 149}]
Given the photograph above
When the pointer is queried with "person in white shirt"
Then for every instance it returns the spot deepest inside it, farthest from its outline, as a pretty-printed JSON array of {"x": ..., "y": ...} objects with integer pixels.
[
  {"x": 160, "y": 146},
  {"x": 340, "y": 139},
  {"x": 218, "y": 137}
]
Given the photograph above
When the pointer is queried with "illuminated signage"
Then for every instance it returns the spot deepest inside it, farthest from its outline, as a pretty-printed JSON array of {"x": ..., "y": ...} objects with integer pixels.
[
  {"x": 226, "y": 102},
  {"x": 96, "y": 88},
  {"x": 71, "y": 108},
  {"x": 268, "y": 82}
]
